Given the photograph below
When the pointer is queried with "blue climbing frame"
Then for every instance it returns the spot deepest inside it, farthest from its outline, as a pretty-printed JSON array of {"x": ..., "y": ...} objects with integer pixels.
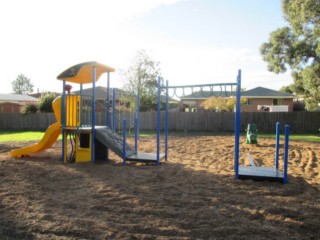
[
  {"x": 227, "y": 88},
  {"x": 241, "y": 172}
]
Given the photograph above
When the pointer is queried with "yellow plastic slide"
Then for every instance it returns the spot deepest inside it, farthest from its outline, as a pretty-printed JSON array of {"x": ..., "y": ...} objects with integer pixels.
[{"x": 51, "y": 135}]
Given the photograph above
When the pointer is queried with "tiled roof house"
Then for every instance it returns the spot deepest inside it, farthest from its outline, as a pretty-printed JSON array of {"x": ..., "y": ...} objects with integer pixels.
[
  {"x": 256, "y": 97},
  {"x": 14, "y": 102}
]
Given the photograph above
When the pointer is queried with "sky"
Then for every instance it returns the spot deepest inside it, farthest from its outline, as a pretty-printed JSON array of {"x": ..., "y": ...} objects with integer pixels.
[{"x": 195, "y": 41}]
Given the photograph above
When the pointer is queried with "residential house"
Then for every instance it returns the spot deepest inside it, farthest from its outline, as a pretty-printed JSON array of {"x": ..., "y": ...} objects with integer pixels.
[
  {"x": 10, "y": 103},
  {"x": 192, "y": 102},
  {"x": 258, "y": 99},
  {"x": 264, "y": 99},
  {"x": 123, "y": 99},
  {"x": 100, "y": 94},
  {"x": 38, "y": 94}
]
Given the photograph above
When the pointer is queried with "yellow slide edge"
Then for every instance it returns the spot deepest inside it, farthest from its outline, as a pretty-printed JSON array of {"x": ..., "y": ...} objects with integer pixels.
[{"x": 51, "y": 135}]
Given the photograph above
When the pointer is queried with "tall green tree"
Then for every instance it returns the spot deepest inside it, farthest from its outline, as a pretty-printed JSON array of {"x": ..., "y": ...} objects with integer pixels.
[
  {"x": 297, "y": 48},
  {"x": 141, "y": 77},
  {"x": 22, "y": 85}
]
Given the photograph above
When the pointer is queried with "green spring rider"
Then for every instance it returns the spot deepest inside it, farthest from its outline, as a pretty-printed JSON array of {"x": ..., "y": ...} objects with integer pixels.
[{"x": 252, "y": 134}]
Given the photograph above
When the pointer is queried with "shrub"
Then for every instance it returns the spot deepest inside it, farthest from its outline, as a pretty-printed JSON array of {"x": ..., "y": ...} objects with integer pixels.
[
  {"x": 45, "y": 102},
  {"x": 30, "y": 108}
]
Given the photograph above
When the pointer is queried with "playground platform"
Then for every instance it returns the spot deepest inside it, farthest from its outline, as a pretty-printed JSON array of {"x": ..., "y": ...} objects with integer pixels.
[
  {"x": 260, "y": 173},
  {"x": 145, "y": 157}
]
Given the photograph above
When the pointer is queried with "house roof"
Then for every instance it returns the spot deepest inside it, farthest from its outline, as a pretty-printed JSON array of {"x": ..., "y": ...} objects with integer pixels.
[
  {"x": 38, "y": 95},
  {"x": 16, "y": 98},
  {"x": 99, "y": 92},
  {"x": 208, "y": 94},
  {"x": 170, "y": 99},
  {"x": 258, "y": 92},
  {"x": 261, "y": 92},
  {"x": 12, "y": 103}
]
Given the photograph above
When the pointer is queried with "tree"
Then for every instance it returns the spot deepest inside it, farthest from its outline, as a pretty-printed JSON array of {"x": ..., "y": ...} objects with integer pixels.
[
  {"x": 297, "y": 47},
  {"x": 286, "y": 89},
  {"x": 22, "y": 85},
  {"x": 45, "y": 102},
  {"x": 221, "y": 104},
  {"x": 141, "y": 77}
]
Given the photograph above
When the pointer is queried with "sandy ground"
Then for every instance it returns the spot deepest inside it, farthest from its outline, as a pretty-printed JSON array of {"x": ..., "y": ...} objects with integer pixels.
[{"x": 192, "y": 196}]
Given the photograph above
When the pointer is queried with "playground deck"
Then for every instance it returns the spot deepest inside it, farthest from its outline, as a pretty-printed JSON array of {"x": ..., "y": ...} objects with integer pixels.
[
  {"x": 260, "y": 173},
  {"x": 145, "y": 157}
]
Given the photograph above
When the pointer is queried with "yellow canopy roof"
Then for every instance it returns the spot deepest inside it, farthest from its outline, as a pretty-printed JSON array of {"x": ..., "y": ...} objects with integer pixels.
[{"x": 82, "y": 72}]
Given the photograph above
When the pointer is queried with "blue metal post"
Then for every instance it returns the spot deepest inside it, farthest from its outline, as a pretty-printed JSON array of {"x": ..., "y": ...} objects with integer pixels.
[
  {"x": 94, "y": 72},
  {"x": 136, "y": 134},
  {"x": 63, "y": 105},
  {"x": 136, "y": 123},
  {"x": 138, "y": 117},
  {"x": 124, "y": 141},
  {"x": 63, "y": 116},
  {"x": 158, "y": 122},
  {"x": 167, "y": 120},
  {"x": 286, "y": 149},
  {"x": 108, "y": 102},
  {"x": 277, "y": 145},
  {"x": 237, "y": 126},
  {"x": 114, "y": 110},
  {"x": 81, "y": 106}
]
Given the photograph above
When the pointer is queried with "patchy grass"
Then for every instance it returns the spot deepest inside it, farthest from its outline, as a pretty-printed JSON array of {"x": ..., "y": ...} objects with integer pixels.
[
  {"x": 21, "y": 136},
  {"x": 295, "y": 137}
]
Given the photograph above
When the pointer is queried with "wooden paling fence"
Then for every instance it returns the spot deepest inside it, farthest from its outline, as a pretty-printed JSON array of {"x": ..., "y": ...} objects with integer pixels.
[{"x": 180, "y": 121}]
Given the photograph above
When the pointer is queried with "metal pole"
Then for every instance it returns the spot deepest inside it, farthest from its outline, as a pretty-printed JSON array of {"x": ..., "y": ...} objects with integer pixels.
[
  {"x": 138, "y": 117},
  {"x": 63, "y": 117},
  {"x": 136, "y": 123},
  {"x": 114, "y": 110},
  {"x": 81, "y": 106},
  {"x": 167, "y": 121},
  {"x": 136, "y": 134},
  {"x": 158, "y": 123},
  {"x": 286, "y": 149},
  {"x": 277, "y": 145},
  {"x": 124, "y": 141},
  {"x": 237, "y": 126},
  {"x": 93, "y": 117},
  {"x": 108, "y": 102}
]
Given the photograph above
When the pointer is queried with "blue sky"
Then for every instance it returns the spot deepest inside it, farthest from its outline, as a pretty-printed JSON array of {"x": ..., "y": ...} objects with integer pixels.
[{"x": 195, "y": 41}]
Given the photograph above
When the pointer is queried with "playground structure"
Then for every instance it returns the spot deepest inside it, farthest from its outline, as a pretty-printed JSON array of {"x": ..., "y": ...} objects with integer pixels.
[
  {"x": 75, "y": 114},
  {"x": 76, "y": 120},
  {"x": 241, "y": 172},
  {"x": 93, "y": 142}
]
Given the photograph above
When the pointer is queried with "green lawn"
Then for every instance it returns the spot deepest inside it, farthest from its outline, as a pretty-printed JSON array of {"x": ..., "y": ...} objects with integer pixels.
[
  {"x": 35, "y": 136},
  {"x": 295, "y": 137},
  {"x": 21, "y": 136}
]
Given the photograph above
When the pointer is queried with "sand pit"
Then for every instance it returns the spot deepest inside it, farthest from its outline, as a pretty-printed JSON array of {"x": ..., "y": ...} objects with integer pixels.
[{"x": 192, "y": 196}]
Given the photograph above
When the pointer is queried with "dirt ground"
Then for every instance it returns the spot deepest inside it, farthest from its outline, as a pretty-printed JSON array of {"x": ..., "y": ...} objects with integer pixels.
[{"x": 191, "y": 196}]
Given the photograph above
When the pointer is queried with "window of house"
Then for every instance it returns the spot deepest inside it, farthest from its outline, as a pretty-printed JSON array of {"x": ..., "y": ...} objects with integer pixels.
[
  {"x": 277, "y": 101},
  {"x": 249, "y": 101}
]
